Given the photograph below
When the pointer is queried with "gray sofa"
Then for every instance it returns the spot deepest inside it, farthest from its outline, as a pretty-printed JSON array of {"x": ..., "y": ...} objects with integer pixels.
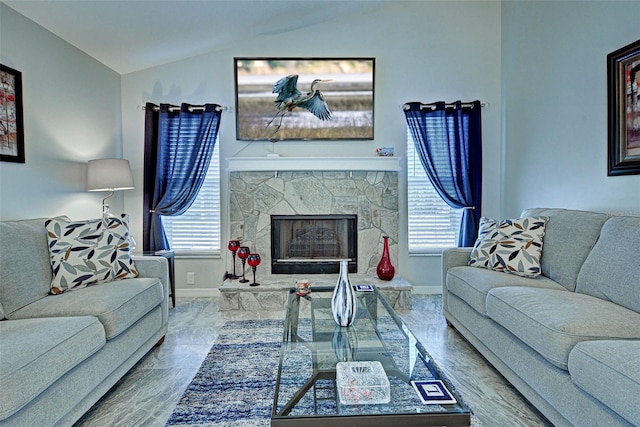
[
  {"x": 569, "y": 339},
  {"x": 60, "y": 353}
]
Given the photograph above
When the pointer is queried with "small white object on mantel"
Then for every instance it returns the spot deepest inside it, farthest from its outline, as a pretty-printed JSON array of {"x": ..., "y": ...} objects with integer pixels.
[{"x": 255, "y": 164}]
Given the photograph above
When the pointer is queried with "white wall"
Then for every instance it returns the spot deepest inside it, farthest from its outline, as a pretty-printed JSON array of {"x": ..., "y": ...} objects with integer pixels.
[
  {"x": 540, "y": 66},
  {"x": 425, "y": 51},
  {"x": 555, "y": 104},
  {"x": 71, "y": 115}
]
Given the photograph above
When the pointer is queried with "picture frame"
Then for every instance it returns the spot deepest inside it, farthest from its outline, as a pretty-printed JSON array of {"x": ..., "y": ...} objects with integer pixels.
[
  {"x": 623, "y": 110},
  {"x": 349, "y": 96},
  {"x": 11, "y": 119}
]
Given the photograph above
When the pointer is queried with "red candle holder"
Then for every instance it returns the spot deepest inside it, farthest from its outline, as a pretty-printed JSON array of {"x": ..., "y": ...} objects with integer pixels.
[
  {"x": 243, "y": 253},
  {"x": 253, "y": 260},
  {"x": 233, "y": 247}
]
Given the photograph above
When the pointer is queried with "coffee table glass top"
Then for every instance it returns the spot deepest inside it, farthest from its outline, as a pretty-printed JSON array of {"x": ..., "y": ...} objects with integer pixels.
[{"x": 312, "y": 346}]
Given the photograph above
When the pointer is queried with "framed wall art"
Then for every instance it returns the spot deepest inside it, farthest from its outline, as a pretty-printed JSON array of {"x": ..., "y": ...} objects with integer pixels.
[
  {"x": 304, "y": 98},
  {"x": 623, "y": 99},
  {"x": 11, "y": 124}
]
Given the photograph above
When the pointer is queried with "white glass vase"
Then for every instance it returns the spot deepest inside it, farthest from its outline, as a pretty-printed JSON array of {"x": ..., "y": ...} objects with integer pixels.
[
  {"x": 345, "y": 343},
  {"x": 344, "y": 303}
]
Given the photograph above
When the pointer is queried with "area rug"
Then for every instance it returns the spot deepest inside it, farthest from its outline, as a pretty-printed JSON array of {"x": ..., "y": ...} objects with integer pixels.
[
  {"x": 236, "y": 382},
  {"x": 235, "y": 385}
]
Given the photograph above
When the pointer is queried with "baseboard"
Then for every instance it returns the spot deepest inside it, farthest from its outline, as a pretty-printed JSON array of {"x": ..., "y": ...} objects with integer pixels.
[
  {"x": 197, "y": 293},
  {"x": 426, "y": 290}
]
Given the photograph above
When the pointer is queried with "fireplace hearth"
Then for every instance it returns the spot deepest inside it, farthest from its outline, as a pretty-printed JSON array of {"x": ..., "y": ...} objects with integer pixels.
[{"x": 313, "y": 244}]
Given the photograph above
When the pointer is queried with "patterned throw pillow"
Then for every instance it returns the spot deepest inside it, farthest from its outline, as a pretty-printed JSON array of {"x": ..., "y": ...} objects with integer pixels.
[
  {"x": 86, "y": 252},
  {"x": 511, "y": 245}
]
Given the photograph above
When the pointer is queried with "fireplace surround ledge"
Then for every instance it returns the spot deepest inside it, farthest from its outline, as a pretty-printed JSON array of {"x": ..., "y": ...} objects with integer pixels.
[{"x": 272, "y": 293}]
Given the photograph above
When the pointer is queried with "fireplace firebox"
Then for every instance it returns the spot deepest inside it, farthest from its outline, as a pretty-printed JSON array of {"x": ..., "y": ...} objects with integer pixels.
[{"x": 313, "y": 244}]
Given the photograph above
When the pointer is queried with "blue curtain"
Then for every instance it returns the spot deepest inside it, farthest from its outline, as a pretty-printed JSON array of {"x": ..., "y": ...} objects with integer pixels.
[
  {"x": 179, "y": 143},
  {"x": 448, "y": 140}
]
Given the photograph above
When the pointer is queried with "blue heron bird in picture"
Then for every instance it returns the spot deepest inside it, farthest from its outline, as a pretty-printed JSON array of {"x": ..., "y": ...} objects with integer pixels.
[{"x": 290, "y": 98}]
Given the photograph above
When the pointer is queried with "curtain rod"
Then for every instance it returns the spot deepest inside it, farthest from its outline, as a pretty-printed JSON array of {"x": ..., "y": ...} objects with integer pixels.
[
  {"x": 192, "y": 108},
  {"x": 433, "y": 106}
]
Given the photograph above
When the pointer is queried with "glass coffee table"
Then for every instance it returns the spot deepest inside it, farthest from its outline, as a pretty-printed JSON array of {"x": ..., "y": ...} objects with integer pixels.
[{"x": 306, "y": 392}]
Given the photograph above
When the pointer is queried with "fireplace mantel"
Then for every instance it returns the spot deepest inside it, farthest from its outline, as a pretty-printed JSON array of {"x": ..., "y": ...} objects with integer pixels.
[{"x": 256, "y": 164}]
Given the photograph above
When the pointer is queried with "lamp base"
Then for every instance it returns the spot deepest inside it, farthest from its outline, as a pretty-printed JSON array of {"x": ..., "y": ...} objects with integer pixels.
[{"x": 105, "y": 206}]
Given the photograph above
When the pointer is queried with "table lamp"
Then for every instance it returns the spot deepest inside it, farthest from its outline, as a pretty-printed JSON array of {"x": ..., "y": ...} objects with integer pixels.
[{"x": 109, "y": 175}]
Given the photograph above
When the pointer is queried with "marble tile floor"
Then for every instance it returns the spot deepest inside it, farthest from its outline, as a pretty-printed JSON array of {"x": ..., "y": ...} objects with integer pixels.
[{"x": 147, "y": 395}]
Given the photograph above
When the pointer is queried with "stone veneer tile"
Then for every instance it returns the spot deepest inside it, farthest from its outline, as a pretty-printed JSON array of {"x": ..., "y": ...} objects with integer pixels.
[
  {"x": 265, "y": 197},
  {"x": 404, "y": 300},
  {"x": 341, "y": 187},
  {"x": 371, "y": 195},
  {"x": 229, "y": 301},
  {"x": 344, "y": 205},
  {"x": 274, "y": 300},
  {"x": 249, "y": 302},
  {"x": 390, "y": 198},
  {"x": 308, "y": 195}
]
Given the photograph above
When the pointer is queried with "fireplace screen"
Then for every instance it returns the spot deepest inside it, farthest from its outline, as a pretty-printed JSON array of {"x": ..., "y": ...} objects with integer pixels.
[{"x": 312, "y": 244}]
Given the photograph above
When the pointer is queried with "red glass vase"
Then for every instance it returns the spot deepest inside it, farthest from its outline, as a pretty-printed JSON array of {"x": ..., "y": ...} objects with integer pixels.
[{"x": 385, "y": 269}]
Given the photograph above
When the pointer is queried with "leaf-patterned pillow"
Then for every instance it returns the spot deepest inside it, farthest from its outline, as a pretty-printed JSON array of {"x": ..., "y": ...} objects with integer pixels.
[
  {"x": 86, "y": 252},
  {"x": 511, "y": 245}
]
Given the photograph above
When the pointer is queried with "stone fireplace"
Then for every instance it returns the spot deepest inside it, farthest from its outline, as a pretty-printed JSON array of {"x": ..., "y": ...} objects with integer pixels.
[
  {"x": 371, "y": 196},
  {"x": 363, "y": 189}
]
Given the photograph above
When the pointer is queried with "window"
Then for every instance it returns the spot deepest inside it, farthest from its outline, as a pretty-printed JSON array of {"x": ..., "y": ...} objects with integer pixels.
[
  {"x": 198, "y": 229},
  {"x": 432, "y": 224}
]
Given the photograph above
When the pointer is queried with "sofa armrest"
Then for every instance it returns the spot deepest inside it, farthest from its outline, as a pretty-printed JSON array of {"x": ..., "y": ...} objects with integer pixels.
[
  {"x": 153, "y": 266},
  {"x": 452, "y": 257}
]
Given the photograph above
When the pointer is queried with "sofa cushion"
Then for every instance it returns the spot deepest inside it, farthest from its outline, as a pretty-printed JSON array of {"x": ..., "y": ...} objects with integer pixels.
[
  {"x": 612, "y": 269},
  {"x": 610, "y": 372},
  {"x": 473, "y": 284},
  {"x": 568, "y": 239},
  {"x": 510, "y": 246},
  {"x": 117, "y": 304},
  {"x": 37, "y": 352},
  {"x": 552, "y": 322},
  {"x": 85, "y": 252},
  {"x": 25, "y": 271}
]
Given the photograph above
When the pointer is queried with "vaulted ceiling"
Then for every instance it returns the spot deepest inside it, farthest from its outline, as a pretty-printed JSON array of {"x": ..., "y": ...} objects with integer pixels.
[{"x": 130, "y": 35}]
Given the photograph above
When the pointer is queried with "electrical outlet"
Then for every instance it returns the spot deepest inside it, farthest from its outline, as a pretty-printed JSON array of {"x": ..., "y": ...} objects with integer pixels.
[{"x": 191, "y": 278}]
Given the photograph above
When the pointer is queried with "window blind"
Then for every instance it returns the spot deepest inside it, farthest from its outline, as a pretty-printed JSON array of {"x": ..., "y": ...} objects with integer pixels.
[
  {"x": 432, "y": 224},
  {"x": 198, "y": 229}
]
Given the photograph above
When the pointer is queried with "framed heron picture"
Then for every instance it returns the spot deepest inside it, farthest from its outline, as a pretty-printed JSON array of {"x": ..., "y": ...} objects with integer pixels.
[
  {"x": 304, "y": 98},
  {"x": 623, "y": 90},
  {"x": 11, "y": 123}
]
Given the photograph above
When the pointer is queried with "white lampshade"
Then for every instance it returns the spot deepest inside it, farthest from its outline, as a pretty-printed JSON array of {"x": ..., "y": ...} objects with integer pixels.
[{"x": 109, "y": 175}]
